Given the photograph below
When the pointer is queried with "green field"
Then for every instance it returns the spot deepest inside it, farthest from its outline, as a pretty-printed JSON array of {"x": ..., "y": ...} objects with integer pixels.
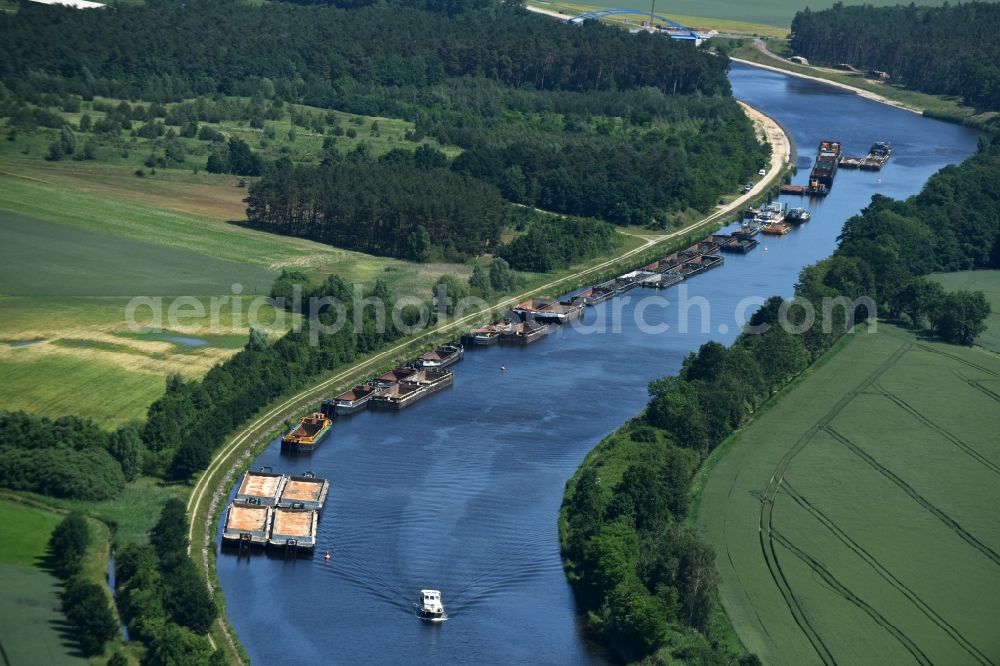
[
  {"x": 987, "y": 282},
  {"x": 769, "y": 12},
  {"x": 32, "y": 629},
  {"x": 855, "y": 520},
  {"x": 81, "y": 238}
]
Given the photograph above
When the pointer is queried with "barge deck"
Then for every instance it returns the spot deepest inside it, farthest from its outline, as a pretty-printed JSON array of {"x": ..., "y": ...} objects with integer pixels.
[
  {"x": 294, "y": 529},
  {"x": 247, "y": 525},
  {"x": 304, "y": 492},
  {"x": 263, "y": 488}
]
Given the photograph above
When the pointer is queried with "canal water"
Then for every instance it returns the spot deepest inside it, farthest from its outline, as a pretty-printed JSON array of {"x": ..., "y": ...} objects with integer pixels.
[{"x": 461, "y": 491}]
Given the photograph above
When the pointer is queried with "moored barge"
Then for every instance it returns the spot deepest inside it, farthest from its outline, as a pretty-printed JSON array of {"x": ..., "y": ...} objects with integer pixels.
[
  {"x": 397, "y": 396},
  {"x": 442, "y": 356},
  {"x": 308, "y": 434},
  {"x": 746, "y": 231},
  {"x": 294, "y": 529},
  {"x": 431, "y": 380},
  {"x": 394, "y": 376},
  {"x": 776, "y": 228},
  {"x": 354, "y": 400},
  {"x": 825, "y": 167},
  {"x": 798, "y": 215},
  {"x": 261, "y": 487},
  {"x": 485, "y": 336},
  {"x": 663, "y": 280},
  {"x": 549, "y": 310},
  {"x": 722, "y": 241},
  {"x": 304, "y": 492},
  {"x": 247, "y": 525},
  {"x": 525, "y": 333},
  {"x": 593, "y": 296}
]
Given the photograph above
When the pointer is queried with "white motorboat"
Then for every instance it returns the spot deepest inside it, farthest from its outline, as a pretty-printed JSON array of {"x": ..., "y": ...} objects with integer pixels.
[{"x": 430, "y": 607}]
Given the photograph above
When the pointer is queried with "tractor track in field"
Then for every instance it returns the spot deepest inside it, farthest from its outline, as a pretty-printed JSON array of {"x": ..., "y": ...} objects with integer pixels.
[
  {"x": 887, "y": 575},
  {"x": 992, "y": 395},
  {"x": 917, "y": 497},
  {"x": 770, "y": 494},
  {"x": 961, "y": 360},
  {"x": 841, "y": 589},
  {"x": 967, "y": 448}
]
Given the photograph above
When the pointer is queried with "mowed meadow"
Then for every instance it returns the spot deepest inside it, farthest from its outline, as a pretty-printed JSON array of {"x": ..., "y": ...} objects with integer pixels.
[
  {"x": 82, "y": 239},
  {"x": 827, "y": 512}
]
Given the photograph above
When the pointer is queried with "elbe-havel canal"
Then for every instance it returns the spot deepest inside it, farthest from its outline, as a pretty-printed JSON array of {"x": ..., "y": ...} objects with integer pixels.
[{"x": 461, "y": 491}]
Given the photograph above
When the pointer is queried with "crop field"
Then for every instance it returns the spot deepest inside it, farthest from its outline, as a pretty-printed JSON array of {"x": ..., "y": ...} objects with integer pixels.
[
  {"x": 987, "y": 282},
  {"x": 769, "y": 12},
  {"x": 32, "y": 630},
  {"x": 855, "y": 520},
  {"x": 81, "y": 239}
]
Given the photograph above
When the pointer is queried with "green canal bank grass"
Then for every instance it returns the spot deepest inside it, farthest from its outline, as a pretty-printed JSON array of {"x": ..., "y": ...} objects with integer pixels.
[
  {"x": 987, "y": 282},
  {"x": 33, "y": 629},
  {"x": 881, "y": 524}
]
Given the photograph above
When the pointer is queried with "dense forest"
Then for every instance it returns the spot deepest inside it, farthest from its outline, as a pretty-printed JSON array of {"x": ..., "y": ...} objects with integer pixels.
[
  {"x": 588, "y": 121},
  {"x": 646, "y": 581},
  {"x": 949, "y": 50},
  {"x": 386, "y": 207}
]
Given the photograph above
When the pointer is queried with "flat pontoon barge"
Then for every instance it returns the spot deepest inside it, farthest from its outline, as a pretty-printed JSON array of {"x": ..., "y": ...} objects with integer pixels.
[
  {"x": 261, "y": 487},
  {"x": 294, "y": 530},
  {"x": 247, "y": 525},
  {"x": 304, "y": 492}
]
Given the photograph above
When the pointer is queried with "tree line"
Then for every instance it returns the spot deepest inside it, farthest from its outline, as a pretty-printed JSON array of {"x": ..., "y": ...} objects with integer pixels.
[
  {"x": 646, "y": 581},
  {"x": 386, "y": 207},
  {"x": 949, "y": 50},
  {"x": 84, "y": 603},
  {"x": 163, "y": 597}
]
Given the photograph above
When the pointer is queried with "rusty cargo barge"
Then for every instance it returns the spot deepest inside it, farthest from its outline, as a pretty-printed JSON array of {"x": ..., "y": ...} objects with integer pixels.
[{"x": 275, "y": 511}]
